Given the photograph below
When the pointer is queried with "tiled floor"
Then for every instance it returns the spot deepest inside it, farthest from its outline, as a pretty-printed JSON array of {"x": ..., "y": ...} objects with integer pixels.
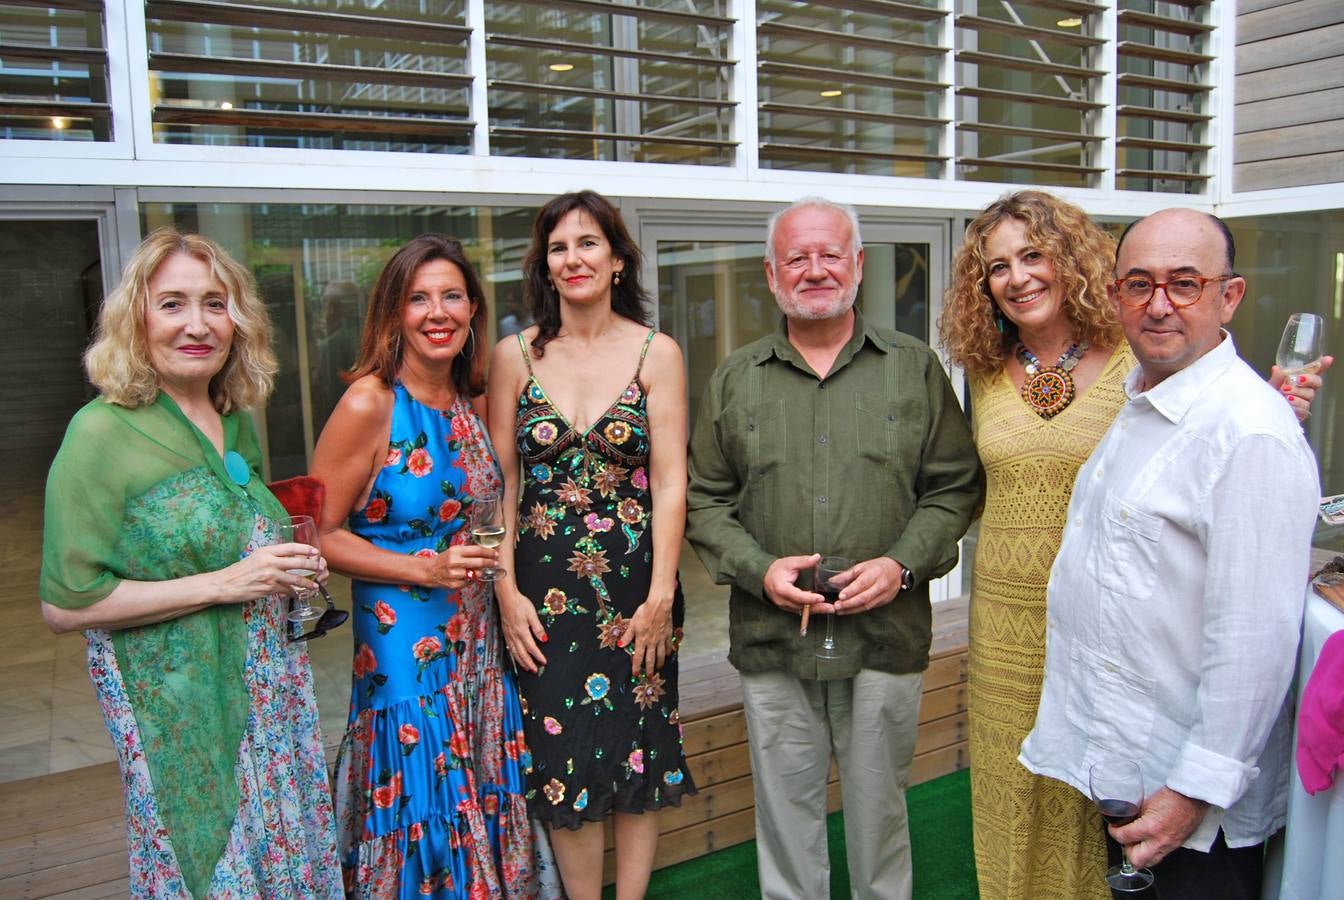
[{"x": 49, "y": 716}]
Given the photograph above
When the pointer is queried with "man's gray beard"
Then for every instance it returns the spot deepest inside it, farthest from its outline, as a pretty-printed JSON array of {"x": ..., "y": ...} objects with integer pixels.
[{"x": 794, "y": 310}]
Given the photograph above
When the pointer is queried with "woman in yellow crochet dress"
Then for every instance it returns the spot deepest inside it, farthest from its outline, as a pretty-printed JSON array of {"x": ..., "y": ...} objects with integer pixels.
[{"x": 1029, "y": 319}]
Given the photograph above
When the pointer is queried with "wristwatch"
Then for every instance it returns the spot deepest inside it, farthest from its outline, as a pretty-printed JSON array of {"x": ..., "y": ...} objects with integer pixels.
[{"x": 907, "y": 580}]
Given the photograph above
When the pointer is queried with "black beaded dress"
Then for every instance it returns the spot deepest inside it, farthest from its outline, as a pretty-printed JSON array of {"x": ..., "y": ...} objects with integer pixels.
[{"x": 602, "y": 740}]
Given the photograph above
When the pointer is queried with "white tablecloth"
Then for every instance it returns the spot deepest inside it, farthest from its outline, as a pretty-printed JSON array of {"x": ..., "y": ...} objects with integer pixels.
[{"x": 1310, "y": 863}]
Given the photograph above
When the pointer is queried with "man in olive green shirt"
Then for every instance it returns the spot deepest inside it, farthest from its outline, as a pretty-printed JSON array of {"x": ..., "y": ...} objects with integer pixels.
[{"x": 830, "y": 437}]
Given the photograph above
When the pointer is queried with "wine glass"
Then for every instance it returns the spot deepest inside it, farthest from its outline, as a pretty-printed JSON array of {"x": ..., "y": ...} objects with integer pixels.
[
  {"x": 301, "y": 530},
  {"x": 489, "y": 530},
  {"x": 1117, "y": 789},
  {"x": 1301, "y": 346},
  {"x": 829, "y": 584}
]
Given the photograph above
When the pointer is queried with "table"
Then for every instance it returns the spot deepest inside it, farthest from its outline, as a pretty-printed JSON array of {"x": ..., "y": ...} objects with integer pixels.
[{"x": 1309, "y": 865}]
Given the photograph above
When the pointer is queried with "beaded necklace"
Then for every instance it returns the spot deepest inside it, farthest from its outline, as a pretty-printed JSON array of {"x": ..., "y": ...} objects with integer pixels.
[{"x": 1048, "y": 390}]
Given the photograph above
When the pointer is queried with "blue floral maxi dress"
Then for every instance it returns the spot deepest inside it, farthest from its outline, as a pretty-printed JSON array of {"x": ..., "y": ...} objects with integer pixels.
[
  {"x": 429, "y": 785},
  {"x": 603, "y": 741}
]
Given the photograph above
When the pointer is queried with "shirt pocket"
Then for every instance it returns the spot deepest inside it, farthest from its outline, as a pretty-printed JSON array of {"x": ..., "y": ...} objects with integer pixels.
[
  {"x": 1112, "y": 705},
  {"x": 755, "y": 437},
  {"x": 1125, "y": 562},
  {"x": 877, "y": 421}
]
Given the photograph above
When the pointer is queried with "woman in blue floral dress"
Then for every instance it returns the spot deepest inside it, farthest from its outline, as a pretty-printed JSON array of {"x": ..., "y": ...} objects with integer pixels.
[
  {"x": 430, "y": 778},
  {"x": 160, "y": 543},
  {"x": 588, "y": 414}
]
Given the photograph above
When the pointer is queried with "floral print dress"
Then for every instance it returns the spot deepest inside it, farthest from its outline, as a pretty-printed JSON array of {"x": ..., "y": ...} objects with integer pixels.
[
  {"x": 212, "y": 713},
  {"x": 603, "y": 741},
  {"x": 430, "y": 780}
]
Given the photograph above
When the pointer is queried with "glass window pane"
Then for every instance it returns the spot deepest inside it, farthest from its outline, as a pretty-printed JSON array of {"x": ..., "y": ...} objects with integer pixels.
[{"x": 53, "y": 74}]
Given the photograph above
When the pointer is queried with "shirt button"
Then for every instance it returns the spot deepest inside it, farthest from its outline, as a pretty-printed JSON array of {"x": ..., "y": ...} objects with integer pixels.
[
  {"x": 891, "y": 417},
  {"x": 821, "y": 385},
  {"x": 1124, "y": 514},
  {"x": 1097, "y": 474},
  {"x": 751, "y": 426},
  {"x": 822, "y": 439},
  {"x": 822, "y": 498}
]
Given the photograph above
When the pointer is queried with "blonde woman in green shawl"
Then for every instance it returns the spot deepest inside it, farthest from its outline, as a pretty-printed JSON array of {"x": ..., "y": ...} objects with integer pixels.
[{"x": 160, "y": 544}]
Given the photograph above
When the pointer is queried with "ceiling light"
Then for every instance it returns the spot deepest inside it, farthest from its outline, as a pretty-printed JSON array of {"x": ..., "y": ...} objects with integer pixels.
[
  {"x": 226, "y": 105},
  {"x": 561, "y": 67},
  {"x": 59, "y": 123},
  {"x": 832, "y": 92},
  {"x": 1070, "y": 22}
]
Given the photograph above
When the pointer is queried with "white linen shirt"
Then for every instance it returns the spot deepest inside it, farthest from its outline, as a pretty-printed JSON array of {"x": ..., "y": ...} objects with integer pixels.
[{"x": 1174, "y": 606}]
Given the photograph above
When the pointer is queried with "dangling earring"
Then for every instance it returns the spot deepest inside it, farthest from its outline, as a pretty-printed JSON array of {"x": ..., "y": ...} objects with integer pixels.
[
  {"x": 554, "y": 289},
  {"x": 999, "y": 321},
  {"x": 616, "y": 277},
  {"x": 471, "y": 342}
]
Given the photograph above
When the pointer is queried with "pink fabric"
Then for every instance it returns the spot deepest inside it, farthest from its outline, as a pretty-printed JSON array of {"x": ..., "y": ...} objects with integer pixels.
[{"x": 1320, "y": 718}]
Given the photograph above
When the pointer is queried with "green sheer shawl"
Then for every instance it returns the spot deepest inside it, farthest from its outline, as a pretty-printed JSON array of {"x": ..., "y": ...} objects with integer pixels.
[{"x": 141, "y": 494}]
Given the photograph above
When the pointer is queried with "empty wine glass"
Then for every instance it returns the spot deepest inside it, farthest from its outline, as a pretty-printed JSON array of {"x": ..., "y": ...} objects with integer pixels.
[
  {"x": 301, "y": 530},
  {"x": 1117, "y": 789},
  {"x": 488, "y": 530},
  {"x": 829, "y": 584},
  {"x": 1301, "y": 346}
]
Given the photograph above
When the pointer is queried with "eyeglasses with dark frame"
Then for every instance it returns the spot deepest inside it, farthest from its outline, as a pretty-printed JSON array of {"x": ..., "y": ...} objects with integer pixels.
[
  {"x": 331, "y": 618},
  {"x": 1184, "y": 290}
]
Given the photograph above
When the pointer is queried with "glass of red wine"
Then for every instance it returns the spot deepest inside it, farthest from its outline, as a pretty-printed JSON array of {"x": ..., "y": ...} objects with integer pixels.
[
  {"x": 1117, "y": 789},
  {"x": 829, "y": 582}
]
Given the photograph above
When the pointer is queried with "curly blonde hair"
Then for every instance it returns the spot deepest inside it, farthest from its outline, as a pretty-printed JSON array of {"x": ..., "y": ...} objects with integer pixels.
[
  {"x": 118, "y": 361},
  {"x": 1083, "y": 256}
]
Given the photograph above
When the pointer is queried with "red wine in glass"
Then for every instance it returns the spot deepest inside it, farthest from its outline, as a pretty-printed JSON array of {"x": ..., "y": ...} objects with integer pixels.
[
  {"x": 1116, "y": 786},
  {"x": 828, "y": 583},
  {"x": 1118, "y": 812}
]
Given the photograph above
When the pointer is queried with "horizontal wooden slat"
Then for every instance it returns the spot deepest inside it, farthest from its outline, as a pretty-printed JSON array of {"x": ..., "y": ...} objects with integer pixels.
[
  {"x": 510, "y": 40},
  {"x": 1035, "y": 165},
  {"x": 1297, "y": 109},
  {"x": 1024, "y": 64},
  {"x": 1158, "y": 144},
  {"x": 1171, "y": 24},
  {"x": 769, "y": 147},
  {"x": 1320, "y": 43},
  {"x": 891, "y": 9},
  {"x": 827, "y": 74},
  {"x": 42, "y": 109},
  {"x": 1037, "y": 133},
  {"x": 327, "y": 122},
  {"x": 1286, "y": 18},
  {"x": 1170, "y": 85},
  {"x": 645, "y": 138},
  {"x": 1130, "y": 111},
  {"x": 1298, "y": 140},
  {"x": 244, "y": 15},
  {"x": 856, "y": 115},
  {"x": 89, "y": 56},
  {"x": 981, "y": 93},
  {"x": 638, "y": 11},
  {"x": 1270, "y": 84},
  {"x": 1160, "y": 175},
  {"x": 1028, "y": 32},
  {"x": 1136, "y": 50},
  {"x": 1321, "y": 168},
  {"x": 847, "y": 39},
  {"x": 82, "y": 5},
  {"x": 242, "y": 69},
  {"x": 574, "y": 91}
]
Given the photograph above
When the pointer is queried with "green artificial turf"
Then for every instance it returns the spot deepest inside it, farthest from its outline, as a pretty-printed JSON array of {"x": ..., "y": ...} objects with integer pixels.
[{"x": 940, "y": 838}]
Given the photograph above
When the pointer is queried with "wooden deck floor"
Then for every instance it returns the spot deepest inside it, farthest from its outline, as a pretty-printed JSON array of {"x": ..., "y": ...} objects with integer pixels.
[{"x": 62, "y": 835}]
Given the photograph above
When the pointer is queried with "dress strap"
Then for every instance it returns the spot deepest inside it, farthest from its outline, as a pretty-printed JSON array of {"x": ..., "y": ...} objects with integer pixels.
[
  {"x": 527, "y": 357},
  {"x": 644, "y": 352}
]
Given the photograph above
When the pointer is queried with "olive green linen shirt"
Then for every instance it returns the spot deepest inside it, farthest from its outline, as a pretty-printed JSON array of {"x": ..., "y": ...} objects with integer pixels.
[{"x": 875, "y": 459}]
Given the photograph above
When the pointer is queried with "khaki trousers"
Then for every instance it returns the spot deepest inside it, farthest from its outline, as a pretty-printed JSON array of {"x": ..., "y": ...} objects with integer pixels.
[{"x": 793, "y": 726}]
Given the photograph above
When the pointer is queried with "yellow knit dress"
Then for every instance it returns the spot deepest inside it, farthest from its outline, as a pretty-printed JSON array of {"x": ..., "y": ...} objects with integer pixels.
[{"x": 1035, "y": 838}]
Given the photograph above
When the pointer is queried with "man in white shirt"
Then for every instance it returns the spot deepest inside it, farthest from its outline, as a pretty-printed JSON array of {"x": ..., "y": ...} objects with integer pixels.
[{"x": 1175, "y": 601}]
